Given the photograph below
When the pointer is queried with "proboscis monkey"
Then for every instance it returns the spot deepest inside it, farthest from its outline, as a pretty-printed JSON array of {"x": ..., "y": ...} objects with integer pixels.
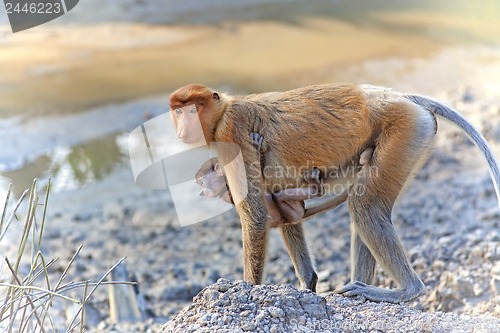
[{"x": 329, "y": 126}]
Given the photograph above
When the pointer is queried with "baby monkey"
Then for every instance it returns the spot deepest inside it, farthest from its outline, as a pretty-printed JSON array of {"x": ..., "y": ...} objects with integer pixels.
[{"x": 284, "y": 206}]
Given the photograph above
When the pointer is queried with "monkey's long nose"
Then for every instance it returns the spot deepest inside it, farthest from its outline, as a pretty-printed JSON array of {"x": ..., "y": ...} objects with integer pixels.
[{"x": 182, "y": 134}]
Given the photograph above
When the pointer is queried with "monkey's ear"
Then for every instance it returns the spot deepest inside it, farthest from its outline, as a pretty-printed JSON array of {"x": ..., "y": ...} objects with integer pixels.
[
  {"x": 218, "y": 170},
  {"x": 216, "y": 96}
]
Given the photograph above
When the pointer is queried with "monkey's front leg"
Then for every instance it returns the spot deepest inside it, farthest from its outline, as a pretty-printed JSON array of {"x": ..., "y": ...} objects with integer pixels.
[
  {"x": 293, "y": 234},
  {"x": 251, "y": 208},
  {"x": 253, "y": 217},
  {"x": 295, "y": 241}
]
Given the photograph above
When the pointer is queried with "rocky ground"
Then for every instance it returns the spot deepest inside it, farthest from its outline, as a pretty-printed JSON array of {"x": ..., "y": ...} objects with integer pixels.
[{"x": 239, "y": 307}]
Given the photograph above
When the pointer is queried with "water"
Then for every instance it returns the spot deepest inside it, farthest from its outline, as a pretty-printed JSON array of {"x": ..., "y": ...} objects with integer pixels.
[{"x": 71, "y": 91}]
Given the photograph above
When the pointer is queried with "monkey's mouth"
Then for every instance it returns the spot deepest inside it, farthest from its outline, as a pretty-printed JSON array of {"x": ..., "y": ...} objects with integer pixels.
[
  {"x": 213, "y": 194},
  {"x": 187, "y": 139}
]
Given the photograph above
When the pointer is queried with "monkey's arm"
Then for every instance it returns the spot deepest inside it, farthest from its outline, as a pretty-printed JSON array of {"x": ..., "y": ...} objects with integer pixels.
[
  {"x": 290, "y": 202},
  {"x": 227, "y": 197},
  {"x": 330, "y": 204}
]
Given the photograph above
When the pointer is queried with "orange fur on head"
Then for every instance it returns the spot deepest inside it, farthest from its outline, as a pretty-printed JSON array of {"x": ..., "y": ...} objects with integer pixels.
[{"x": 208, "y": 104}]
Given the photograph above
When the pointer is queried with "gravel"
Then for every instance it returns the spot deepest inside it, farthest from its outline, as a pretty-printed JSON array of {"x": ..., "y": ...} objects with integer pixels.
[{"x": 283, "y": 309}]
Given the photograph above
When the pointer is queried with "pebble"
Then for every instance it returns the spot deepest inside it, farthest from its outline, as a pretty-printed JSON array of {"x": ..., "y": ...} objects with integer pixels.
[
  {"x": 248, "y": 326},
  {"x": 495, "y": 285},
  {"x": 113, "y": 210},
  {"x": 276, "y": 312},
  {"x": 462, "y": 288}
]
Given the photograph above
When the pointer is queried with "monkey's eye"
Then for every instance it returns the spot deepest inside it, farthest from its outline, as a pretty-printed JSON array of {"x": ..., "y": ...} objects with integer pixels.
[
  {"x": 194, "y": 110},
  {"x": 178, "y": 111}
]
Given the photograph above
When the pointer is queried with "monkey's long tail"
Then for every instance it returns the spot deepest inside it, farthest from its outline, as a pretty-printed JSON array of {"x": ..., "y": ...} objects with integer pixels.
[{"x": 476, "y": 137}]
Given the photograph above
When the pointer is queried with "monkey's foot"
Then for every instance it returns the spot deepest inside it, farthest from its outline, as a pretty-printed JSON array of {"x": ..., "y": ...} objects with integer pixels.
[
  {"x": 310, "y": 282},
  {"x": 256, "y": 139},
  {"x": 377, "y": 294}
]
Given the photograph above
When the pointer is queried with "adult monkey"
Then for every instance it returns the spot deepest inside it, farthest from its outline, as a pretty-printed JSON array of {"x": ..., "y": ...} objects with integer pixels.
[{"x": 327, "y": 126}]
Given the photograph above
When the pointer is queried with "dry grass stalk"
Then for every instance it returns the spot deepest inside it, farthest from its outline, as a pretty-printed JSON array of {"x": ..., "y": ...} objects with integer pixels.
[{"x": 26, "y": 298}]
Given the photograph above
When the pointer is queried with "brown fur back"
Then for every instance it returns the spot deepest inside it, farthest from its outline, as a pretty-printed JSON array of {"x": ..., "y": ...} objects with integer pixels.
[{"x": 293, "y": 126}]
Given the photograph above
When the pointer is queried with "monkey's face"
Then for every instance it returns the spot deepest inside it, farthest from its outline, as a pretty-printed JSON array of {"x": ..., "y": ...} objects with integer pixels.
[
  {"x": 212, "y": 185},
  {"x": 187, "y": 123},
  {"x": 195, "y": 111}
]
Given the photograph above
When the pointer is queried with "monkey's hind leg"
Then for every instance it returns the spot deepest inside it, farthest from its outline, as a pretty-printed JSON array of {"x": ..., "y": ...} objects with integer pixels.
[{"x": 407, "y": 137}]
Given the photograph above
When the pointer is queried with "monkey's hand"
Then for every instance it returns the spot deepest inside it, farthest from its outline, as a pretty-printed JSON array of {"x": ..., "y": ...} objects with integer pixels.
[
  {"x": 314, "y": 177},
  {"x": 256, "y": 140}
]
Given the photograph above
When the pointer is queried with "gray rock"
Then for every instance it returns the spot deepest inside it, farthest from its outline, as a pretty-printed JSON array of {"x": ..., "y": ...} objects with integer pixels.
[
  {"x": 495, "y": 280},
  {"x": 493, "y": 252},
  {"x": 181, "y": 292},
  {"x": 495, "y": 285},
  {"x": 114, "y": 210},
  {"x": 248, "y": 326},
  {"x": 276, "y": 312},
  {"x": 462, "y": 288},
  {"x": 495, "y": 270}
]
